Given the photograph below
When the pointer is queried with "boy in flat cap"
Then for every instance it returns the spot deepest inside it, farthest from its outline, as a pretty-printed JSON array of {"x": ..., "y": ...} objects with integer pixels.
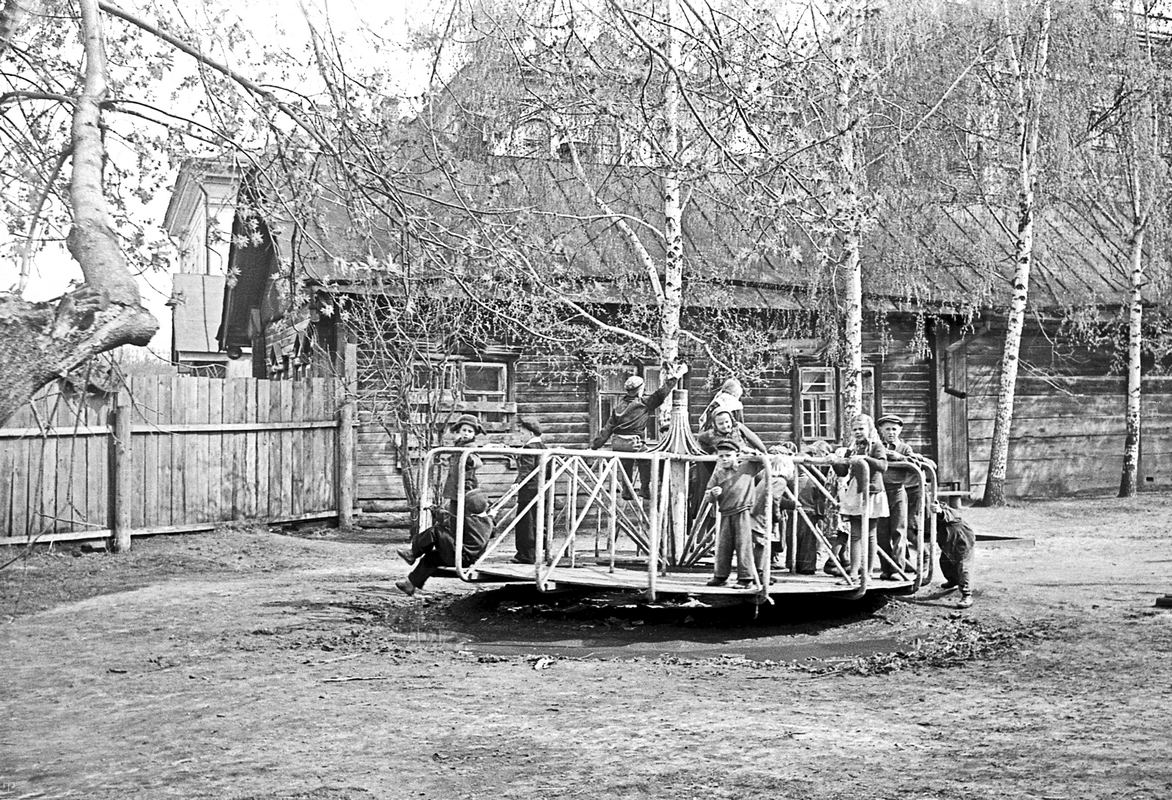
[
  {"x": 628, "y": 423},
  {"x": 525, "y": 531},
  {"x": 731, "y": 489},
  {"x": 436, "y": 546},
  {"x": 893, "y": 529}
]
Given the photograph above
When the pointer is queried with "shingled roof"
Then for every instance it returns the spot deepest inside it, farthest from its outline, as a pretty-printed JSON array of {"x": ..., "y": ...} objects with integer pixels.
[{"x": 940, "y": 256}]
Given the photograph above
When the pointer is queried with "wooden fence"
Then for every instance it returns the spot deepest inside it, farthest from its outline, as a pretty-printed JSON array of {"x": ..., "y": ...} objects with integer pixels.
[{"x": 175, "y": 453}]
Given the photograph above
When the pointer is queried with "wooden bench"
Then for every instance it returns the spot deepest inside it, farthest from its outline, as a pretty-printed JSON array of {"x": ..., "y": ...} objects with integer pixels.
[{"x": 954, "y": 497}]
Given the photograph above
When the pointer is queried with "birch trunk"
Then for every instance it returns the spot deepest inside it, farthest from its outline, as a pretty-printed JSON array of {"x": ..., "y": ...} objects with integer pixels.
[
  {"x": 1128, "y": 481},
  {"x": 673, "y": 276},
  {"x": 842, "y": 54},
  {"x": 1029, "y": 87},
  {"x": 673, "y": 272},
  {"x": 1145, "y": 185}
]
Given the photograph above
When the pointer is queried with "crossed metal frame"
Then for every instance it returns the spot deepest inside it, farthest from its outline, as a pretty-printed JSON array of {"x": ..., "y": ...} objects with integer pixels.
[{"x": 601, "y": 476}]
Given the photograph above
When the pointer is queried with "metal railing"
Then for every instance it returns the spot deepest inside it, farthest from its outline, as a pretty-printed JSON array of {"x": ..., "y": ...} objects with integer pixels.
[{"x": 595, "y": 482}]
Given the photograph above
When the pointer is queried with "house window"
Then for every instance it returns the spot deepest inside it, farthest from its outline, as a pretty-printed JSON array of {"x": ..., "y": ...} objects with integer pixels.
[
  {"x": 821, "y": 404},
  {"x": 610, "y": 391},
  {"x": 454, "y": 387},
  {"x": 433, "y": 383},
  {"x": 485, "y": 382}
]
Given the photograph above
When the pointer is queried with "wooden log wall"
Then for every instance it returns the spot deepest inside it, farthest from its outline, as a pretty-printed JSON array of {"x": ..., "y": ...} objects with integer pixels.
[
  {"x": 550, "y": 390},
  {"x": 906, "y": 382},
  {"x": 202, "y": 451},
  {"x": 1068, "y": 424}
]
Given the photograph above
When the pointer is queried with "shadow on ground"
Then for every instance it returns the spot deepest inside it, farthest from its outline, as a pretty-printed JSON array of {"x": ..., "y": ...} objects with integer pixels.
[{"x": 515, "y": 620}]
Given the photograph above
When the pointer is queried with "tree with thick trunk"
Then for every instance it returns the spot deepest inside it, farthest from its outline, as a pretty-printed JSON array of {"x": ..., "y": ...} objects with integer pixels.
[{"x": 45, "y": 341}]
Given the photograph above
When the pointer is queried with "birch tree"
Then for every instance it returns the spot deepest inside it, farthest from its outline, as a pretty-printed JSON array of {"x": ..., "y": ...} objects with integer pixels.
[
  {"x": 1026, "y": 58},
  {"x": 1120, "y": 185},
  {"x": 650, "y": 109},
  {"x": 1134, "y": 122},
  {"x": 845, "y": 19}
]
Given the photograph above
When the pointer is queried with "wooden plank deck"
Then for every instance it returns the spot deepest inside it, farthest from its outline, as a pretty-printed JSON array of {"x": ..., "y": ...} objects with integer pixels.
[{"x": 591, "y": 572}]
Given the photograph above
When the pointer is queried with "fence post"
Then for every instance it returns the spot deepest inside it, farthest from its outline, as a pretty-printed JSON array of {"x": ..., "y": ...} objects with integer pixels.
[
  {"x": 121, "y": 483},
  {"x": 345, "y": 476}
]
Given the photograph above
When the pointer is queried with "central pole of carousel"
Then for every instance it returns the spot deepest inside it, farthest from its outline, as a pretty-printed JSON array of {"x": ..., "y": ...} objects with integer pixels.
[{"x": 678, "y": 440}]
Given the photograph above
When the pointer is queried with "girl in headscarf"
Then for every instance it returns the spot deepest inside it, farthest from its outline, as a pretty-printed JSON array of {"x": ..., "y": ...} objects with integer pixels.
[
  {"x": 727, "y": 398},
  {"x": 854, "y": 497}
]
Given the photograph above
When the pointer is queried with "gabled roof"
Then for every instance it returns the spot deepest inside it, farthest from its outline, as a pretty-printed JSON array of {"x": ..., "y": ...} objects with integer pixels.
[{"x": 939, "y": 256}]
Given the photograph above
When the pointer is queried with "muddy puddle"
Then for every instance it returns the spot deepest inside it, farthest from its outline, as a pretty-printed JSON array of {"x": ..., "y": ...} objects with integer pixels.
[{"x": 518, "y": 621}]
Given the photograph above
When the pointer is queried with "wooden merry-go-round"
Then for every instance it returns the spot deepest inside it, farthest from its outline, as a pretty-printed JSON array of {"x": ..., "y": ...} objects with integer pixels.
[{"x": 595, "y": 530}]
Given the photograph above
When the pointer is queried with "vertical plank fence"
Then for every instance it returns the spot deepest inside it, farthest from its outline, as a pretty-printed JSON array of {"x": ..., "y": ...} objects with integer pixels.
[{"x": 169, "y": 454}]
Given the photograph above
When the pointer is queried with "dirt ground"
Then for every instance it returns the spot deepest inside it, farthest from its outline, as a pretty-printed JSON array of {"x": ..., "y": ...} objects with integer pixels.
[{"x": 254, "y": 664}]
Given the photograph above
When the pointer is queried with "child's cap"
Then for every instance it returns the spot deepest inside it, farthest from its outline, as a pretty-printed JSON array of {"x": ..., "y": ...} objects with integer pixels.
[
  {"x": 889, "y": 418},
  {"x": 530, "y": 424},
  {"x": 468, "y": 419},
  {"x": 727, "y": 445},
  {"x": 475, "y": 502}
]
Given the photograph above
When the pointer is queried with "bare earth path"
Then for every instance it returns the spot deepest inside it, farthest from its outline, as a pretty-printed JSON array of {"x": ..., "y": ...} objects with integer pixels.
[{"x": 246, "y": 664}]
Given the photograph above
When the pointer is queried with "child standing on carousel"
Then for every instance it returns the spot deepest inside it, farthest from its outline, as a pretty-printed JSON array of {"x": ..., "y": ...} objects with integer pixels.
[{"x": 856, "y": 497}]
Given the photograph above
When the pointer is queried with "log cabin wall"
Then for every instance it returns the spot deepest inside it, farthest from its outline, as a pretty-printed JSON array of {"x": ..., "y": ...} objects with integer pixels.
[
  {"x": 554, "y": 390},
  {"x": 906, "y": 382},
  {"x": 1068, "y": 421}
]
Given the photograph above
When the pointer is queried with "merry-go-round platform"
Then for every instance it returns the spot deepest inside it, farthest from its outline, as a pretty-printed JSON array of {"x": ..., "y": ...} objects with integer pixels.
[{"x": 593, "y": 529}]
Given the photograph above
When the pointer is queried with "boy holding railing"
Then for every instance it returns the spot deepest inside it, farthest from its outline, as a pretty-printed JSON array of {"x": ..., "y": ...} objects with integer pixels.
[
  {"x": 465, "y": 428},
  {"x": 627, "y": 425},
  {"x": 436, "y": 546},
  {"x": 731, "y": 489},
  {"x": 893, "y": 529},
  {"x": 527, "y": 480}
]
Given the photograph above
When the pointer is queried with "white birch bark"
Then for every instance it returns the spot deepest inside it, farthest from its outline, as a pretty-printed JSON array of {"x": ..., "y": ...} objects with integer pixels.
[
  {"x": 1128, "y": 482},
  {"x": 1029, "y": 88},
  {"x": 1144, "y": 147},
  {"x": 850, "y": 209},
  {"x": 673, "y": 271}
]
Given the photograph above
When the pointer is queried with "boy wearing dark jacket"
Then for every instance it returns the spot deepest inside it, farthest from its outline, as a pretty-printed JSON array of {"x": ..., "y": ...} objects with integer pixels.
[
  {"x": 957, "y": 542},
  {"x": 436, "y": 546},
  {"x": 465, "y": 428},
  {"x": 525, "y": 531},
  {"x": 893, "y": 529},
  {"x": 731, "y": 489}
]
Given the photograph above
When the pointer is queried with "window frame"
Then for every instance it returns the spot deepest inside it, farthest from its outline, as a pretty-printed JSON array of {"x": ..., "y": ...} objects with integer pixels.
[
  {"x": 450, "y": 392},
  {"x": 872, "y": 399},
  {"x": 602, "y": 399}
]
